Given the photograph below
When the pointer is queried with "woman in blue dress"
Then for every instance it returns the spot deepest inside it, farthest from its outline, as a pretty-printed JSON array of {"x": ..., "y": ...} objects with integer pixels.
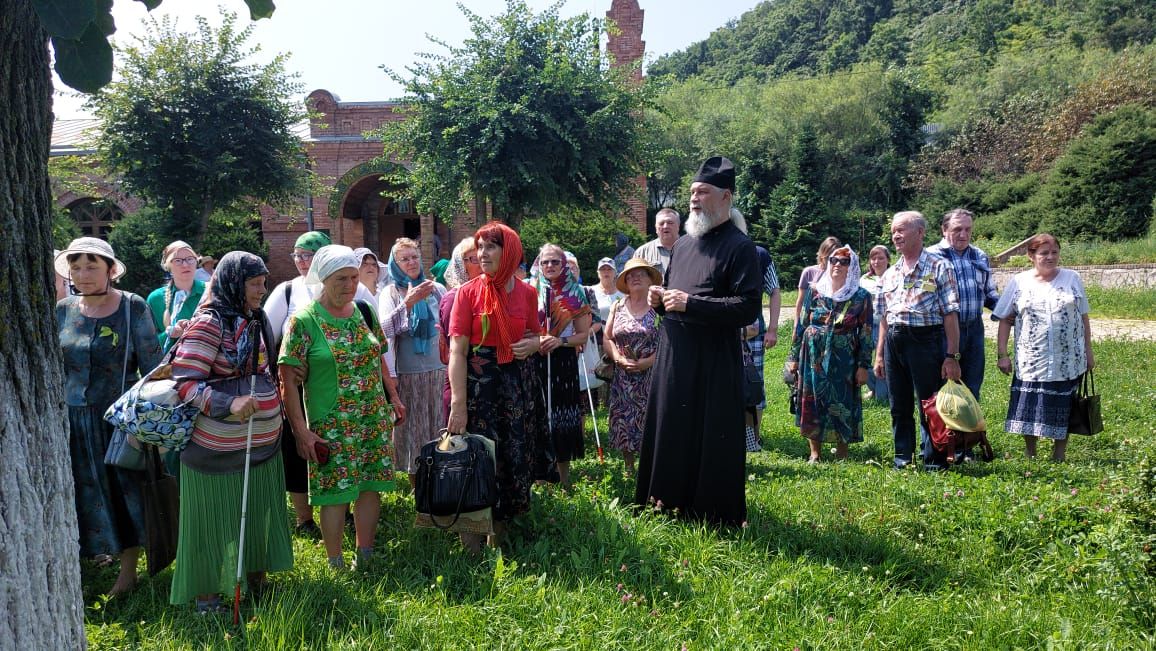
[
  {"x": 831, "y": 351},
  {"x": 108, "y": 339}
]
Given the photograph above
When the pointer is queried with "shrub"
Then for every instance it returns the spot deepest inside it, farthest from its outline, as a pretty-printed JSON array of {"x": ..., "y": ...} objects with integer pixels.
[
  {"x": 139, "y": 238},
  {"x": 1101, "y": 188},
  {"x": 589, "y": 236}
]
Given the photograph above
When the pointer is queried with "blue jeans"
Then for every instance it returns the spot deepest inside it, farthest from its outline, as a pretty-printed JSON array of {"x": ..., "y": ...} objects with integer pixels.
[
  {"x": 971, "y": 360},
  {"x": 878, "y": 387},
  {"x": 914, "y": 361}
]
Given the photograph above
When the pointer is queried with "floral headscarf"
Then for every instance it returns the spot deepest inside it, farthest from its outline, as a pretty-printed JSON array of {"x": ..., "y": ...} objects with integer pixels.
[
  {"x": 421, "y": 325},
  {"x": 562, "y": 300},
  {"x": 456, "y": 273}
]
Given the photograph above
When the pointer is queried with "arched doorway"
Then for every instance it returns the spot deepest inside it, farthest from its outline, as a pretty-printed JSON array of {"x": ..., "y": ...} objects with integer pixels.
[
  {"x": 95, "y": 216},
  {"x": 384, "y": 213}
]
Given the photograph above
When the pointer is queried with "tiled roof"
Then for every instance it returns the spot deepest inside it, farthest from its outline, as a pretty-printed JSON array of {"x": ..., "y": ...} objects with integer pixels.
[{"x": 70, "y": 137}]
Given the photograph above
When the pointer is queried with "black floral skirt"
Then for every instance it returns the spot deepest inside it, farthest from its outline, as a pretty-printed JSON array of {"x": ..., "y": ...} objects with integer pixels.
[
  {"x": 565, "y": 418},
  {"x": 502, "y": 405}
]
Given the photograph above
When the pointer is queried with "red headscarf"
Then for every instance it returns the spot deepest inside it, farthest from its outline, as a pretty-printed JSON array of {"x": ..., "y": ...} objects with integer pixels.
[{"x": 495, "y": 306}]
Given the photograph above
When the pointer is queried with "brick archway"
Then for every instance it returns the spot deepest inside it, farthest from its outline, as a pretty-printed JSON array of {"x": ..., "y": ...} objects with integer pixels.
[{"x": 369, "y": 192}]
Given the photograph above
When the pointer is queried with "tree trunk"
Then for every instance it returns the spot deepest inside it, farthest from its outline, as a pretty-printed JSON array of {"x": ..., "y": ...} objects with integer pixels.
[{"x": 41, "y": 606}]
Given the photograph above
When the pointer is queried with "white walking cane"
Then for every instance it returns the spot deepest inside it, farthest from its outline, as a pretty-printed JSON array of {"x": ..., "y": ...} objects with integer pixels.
[
  {"x": 549, "y": 373},
  {"x": 244, "y": 505},
  {"x": 590, "y": 396}
]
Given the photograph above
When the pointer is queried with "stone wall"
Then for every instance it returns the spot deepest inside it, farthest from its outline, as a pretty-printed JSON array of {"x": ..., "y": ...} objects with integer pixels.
[{"x": 1133, "y": 276}]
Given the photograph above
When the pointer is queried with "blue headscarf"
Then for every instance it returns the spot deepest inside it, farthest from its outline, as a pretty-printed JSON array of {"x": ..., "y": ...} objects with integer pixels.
[{"x": 421, "y": 324}]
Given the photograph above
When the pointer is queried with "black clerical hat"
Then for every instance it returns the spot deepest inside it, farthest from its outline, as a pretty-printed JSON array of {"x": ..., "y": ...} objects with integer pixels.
[{"x": 718, "y": 171}]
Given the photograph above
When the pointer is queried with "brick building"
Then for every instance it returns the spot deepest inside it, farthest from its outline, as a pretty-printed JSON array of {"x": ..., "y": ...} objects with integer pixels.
[{"x": 357, "y": 208}]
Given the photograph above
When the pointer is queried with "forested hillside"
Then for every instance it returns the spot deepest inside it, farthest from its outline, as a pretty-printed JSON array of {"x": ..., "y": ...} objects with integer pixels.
[{"x": 1037, "y": 115}]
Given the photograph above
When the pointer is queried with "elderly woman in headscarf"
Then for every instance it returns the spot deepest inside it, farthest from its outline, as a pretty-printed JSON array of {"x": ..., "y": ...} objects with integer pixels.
[
  {"x": 420, "y": 371},
  {"x": 494, "y": 329},
  {"x": 343, "y": 428},
  {"x": 463, "y": 267},
  {"x": 284, "y": 301},
  {"x": 831, "y": 353},
  {"x": 565, "y": 308},
  {"x": 223, "y": 366}
]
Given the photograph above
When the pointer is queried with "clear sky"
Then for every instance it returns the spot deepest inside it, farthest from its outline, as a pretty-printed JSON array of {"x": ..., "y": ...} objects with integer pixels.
[{"x": 340, "y": 45}]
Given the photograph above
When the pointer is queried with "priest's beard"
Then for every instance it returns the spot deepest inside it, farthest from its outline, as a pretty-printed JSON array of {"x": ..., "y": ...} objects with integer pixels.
[{"x": 699, "y": 223}]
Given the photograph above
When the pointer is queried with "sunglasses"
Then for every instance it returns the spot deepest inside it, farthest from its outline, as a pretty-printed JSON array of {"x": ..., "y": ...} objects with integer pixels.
[
  {"x": 840, "y": 262},
  {"x": 550, "y": 263}
]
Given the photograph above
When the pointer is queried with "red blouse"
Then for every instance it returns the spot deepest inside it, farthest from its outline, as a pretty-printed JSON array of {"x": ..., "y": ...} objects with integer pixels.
[{"x": 466, "y": 317}]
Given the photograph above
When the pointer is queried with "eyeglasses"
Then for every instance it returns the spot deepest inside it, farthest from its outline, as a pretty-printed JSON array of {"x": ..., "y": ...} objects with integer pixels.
[
  {"x": 301, "y": 257},
  {"x": 183, "y": 261},
  {"x": 550, "y": 263},
  {"x": 840, "y": 262},
  {"x": 407, "y": 259}
]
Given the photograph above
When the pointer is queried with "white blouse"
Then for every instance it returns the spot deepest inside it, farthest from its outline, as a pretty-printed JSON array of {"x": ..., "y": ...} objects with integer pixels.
[{"x": 1049, "y": 332}]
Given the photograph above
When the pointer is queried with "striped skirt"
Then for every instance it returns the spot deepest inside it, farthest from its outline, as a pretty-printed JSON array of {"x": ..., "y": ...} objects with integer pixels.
[
  {"x": 1040, "y": 408},
  {"x": 422, "y": 395},
  {"x": 211, "y": 524}
]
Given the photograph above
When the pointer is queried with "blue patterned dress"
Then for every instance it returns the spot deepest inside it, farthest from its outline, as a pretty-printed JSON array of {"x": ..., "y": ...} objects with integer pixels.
[
  {"x": 831, "y": 342},
  {"x": 108, "y": 500}
]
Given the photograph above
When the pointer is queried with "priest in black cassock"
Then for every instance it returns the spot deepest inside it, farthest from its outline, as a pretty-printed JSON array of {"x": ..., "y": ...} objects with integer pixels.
[{"x": 693, "y": 452}]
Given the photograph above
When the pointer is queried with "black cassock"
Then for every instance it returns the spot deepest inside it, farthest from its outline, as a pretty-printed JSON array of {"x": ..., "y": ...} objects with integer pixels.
[{"x": 693, "y": 450}]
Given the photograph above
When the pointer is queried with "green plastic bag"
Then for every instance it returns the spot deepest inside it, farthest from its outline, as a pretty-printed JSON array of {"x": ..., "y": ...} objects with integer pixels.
[{"x": 959, "y": 409}]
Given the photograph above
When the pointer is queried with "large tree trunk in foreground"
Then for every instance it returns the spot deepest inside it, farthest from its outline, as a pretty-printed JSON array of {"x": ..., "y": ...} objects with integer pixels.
[{"x": 41, "y": 606}]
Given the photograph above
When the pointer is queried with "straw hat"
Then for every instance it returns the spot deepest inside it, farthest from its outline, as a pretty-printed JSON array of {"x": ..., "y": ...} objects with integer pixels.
[
  {"x": 631, "y": 265},
  {"x": 90, "y": 245},
  {"x": 205, "y": 258}
]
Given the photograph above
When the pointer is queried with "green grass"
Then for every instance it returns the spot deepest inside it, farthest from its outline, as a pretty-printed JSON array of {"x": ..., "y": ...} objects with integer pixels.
[
  {"x": 1134, "y": 251},
  {"x": 1011, "y": 554},
  {"x": 1122, "y": 303}
]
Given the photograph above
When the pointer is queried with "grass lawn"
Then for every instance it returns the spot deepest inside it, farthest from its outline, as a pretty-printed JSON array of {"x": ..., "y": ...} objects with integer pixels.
[{"x": 1011, "y": 554}]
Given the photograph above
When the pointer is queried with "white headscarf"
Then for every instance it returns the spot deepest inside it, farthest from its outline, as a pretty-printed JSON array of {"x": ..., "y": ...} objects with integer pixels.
[
  {"x": 823, "y": 285},
  {"x": 327, "y": 261}
]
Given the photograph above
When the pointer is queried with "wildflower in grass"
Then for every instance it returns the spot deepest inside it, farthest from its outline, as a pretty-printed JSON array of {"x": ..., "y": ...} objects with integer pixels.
[
  {"x": 623, "y": 568},
  {"x": 959, "y": 493},
  {"x": 1075, "y": 491}
]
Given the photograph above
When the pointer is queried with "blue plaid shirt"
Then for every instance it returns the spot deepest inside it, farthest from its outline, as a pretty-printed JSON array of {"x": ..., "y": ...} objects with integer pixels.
[
  {"x": 973, "y": 279},
  {"x": 922, "y": 296}
]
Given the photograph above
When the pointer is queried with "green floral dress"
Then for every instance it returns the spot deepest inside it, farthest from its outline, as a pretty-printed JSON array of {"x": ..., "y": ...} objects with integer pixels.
[{"x": 345, "y": 402}]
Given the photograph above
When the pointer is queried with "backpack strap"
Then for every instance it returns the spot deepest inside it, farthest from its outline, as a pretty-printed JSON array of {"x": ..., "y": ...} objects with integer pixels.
[{"x": 367, "y": 314}]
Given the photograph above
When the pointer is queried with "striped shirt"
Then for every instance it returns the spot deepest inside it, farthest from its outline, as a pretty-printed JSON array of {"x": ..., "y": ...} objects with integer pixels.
[
  {"x": 920, "y": 297},
  {"x": 201, "y": 362},
  {"x": 973, "y": 279}
]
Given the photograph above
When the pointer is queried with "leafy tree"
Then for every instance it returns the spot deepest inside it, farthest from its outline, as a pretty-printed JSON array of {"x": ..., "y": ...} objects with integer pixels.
[
  {"x": 527, "y": 115},
  {"x": 1102, "y": 187},
  {"x": 588, "y": 235},
  {"x": 39, "y": 564},
  {"x": 192, "y": 128}
]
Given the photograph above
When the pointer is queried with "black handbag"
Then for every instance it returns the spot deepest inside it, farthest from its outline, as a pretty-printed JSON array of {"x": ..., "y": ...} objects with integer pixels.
[
  {"x": 454, "y": 475},
  {"x": 1085, "y": 416},
  {"x": 160, "y": 496},
  {"x": 752, "y": 379}
]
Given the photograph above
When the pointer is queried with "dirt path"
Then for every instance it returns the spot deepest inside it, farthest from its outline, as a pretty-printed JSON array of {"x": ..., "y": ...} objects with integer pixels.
[{"x": 1101, "y": 328}]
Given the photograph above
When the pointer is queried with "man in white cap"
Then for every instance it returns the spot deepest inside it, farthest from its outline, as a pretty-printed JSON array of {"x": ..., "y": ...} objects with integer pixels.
[{"x": 693, "y": 449}]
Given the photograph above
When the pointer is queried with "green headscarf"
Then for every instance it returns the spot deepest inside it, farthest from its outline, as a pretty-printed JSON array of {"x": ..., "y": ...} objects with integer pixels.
[
  {"x": 438, "y": 270},
  {"x": 312, "y": 241}
]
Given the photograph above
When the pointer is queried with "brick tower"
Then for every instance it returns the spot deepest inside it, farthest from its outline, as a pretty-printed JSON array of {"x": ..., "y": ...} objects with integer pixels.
[{"x": 627, "y": 47}]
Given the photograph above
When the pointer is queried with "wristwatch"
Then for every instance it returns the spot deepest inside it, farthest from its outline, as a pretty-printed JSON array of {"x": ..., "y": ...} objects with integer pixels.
[
  {"x": 565, "y": 341},
  {"x": 954, "y": 356}
]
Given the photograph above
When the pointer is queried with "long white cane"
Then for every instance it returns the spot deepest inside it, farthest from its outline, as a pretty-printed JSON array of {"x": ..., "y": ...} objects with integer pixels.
[
  {"x": 549, "y": 373},
  {"x": 244, "y": 506},
  {"x": 590, "y": 396}
]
